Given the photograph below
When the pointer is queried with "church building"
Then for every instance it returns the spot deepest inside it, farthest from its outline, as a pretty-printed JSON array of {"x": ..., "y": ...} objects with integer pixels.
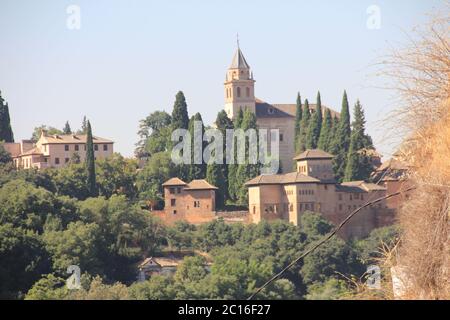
[{"x": 240, "y": 94}]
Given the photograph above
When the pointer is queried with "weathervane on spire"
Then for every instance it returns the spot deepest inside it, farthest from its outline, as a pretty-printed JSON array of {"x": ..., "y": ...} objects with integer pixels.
[{"x": 237, "y": 39}]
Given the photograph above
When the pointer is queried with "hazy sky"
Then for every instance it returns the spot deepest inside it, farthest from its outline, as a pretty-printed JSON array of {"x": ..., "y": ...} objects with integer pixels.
[{"x": 129, "y": 58}]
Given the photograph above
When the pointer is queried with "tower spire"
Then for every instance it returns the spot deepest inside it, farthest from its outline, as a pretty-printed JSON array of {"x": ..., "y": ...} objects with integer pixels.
[{"x": 237, "y": 40}]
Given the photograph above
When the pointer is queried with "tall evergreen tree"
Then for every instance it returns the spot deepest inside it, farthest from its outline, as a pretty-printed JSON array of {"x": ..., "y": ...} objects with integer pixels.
[
  {"x": 197, "y": 170},
  {"x": 180, "y": 117},
  {"x": 304, "y": 124},
  {"x": 67, "y": 129},
  {"x": 341, "y": 140},
  {"x": 90, "y": 163},
  {"x": 315, "y": 126},
  {"x": 180, "y": 120},
  {"x": 325, "y": 131},
  {"x": 247, "y": 170},
  {"x": 298, "y": 119},
  {"x": 6, "y": 133},
  {"x": 223, "y": 123},
  {"x": 232, "y": 168},
  {"x": 358, "y": 162},
  {"x": 215, "y": 176},
  {"x": 84, "y": 126}
]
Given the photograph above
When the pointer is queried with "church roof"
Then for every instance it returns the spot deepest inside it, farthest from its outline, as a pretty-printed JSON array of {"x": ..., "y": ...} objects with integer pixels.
[
  {"x": 239, "y": 61},
  {"x": 313, "y": 154},
  {"x": 283, "y": 110}
]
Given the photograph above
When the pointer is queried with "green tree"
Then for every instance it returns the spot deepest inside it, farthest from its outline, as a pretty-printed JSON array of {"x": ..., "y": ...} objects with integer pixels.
[
  {"x": 117, "y": 175},
  {"x": 214, "y": 175},
  {"x": 326, "y": 131},
  {"x": 49, "y": 287},
  {"x": 304, "y": 125},
  {"x": 5, "y": 156},
  {"x": 23, "y": 260},
  {"x": 341, "y": 141},
  {"x": 358, "y": 163},
  {"x": 197, "y": 170},
  {"x": 67, "y": 129},
  {"x": 315, "y": 125},
  {"x": 298, "y": 119},
  {"x": 180, "y": 117},
  {"x": 149, "y": 180},
  {"x": 6, "y": 133},
  {"x": 233, "y": 188},
  {"x": 154, "y": 134},
  {"x": 90, "y": 163},
  {"x": 223, "y": 123},
  {"x": 156, "y": 288},
  {"x": 246, "y": 170},
  {"x": 48, "y": 130}
]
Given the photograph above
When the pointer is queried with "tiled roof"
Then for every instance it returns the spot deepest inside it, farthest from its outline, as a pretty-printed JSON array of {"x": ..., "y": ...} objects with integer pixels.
[
  {"x": 364, "y": 186},
  {"x": 174, "y": 182},
  {"x": 72, "y": 138},
  {"x": 35, "y": 150},
  {"x": 280, "y": 110},
  {"x": 313, "y": 154},
  {"x": 292, "y": 177},
  {"x": 199, "y": 185}
]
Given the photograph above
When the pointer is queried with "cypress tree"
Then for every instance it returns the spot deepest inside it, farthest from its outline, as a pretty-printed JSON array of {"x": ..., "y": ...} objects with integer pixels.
[
  {"x": 90, "y": 163},
  {"x": 67, "y": 129},
  {"x": 325, "y": 131},
  {"x": 180, "y": 118},
  {"x": 223, "y": 123},
  {"x": 84, "y": 126},
  {"x": 246, "y": 170},
  {"x": 197, "y": 171},
  {"x": 306, "y": 115},
  {"x": 298, "y": 119},
  {"x": 215, "y": 176},
  {"x": 358, "y": 163},
  {"x": 341, "y": 140},
  {"x": 315, "y": 125},
  {"x": 6, "y": 133},
  {"x": 232, "y": 168}
]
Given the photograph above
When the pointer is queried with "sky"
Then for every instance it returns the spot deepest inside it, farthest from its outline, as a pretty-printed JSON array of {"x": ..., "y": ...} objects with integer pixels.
[{"x": 129, "y": 58}]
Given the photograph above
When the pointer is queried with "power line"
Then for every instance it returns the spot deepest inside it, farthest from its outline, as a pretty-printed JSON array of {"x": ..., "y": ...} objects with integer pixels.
[{"x": 325, "y": 239}]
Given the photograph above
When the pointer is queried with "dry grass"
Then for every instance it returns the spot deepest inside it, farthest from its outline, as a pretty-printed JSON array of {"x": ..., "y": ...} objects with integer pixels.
[{"x": 421, "y": 74}]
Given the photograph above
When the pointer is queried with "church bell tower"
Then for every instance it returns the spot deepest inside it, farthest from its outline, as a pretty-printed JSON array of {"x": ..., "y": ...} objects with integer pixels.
[{"x": 239, "y": 86}]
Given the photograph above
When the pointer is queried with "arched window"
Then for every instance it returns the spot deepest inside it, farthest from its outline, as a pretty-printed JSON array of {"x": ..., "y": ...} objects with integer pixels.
[
  {"x": 247, "y": 91},
  {"x": 238, "y": 92}
]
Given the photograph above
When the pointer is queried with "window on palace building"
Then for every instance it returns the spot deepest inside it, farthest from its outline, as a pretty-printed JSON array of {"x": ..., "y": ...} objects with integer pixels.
[
  {"x": 66, "y": 160},
  {"x": 56, "y": 160},
  {"x": 105, "y": 147},
  {"x": 351, "y": 198},
  {"x": 254, "y": 210},
  {"x": 238, "y": 92},
  {"x": 172, "y": 190},
  {"x": 178, "y": 190},
  {"x": 196, "y": 204},
  {"x": 340, "y": 207},
  {"x": 173, "y": 202},
  {"x": 291, "y": 207},
  {"x": 174, "y": 211},
  {"x": 77, "y": 147},
  {"x": 340, "y": 196},
  {"x": 247, "y": 92},
  {"x": 96, "y": 147},
  {"x": 356, "y": 196},
  {"x": 281, "y": 137},
  {"x": 66, "y": 147}
]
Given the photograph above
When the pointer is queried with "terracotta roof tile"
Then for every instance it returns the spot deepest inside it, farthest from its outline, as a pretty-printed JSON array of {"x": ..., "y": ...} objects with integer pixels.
[
  {"x": 314, "y": 154},
  {"x": 174, "y": 182},
  {"x": 200, "y": 185}
]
